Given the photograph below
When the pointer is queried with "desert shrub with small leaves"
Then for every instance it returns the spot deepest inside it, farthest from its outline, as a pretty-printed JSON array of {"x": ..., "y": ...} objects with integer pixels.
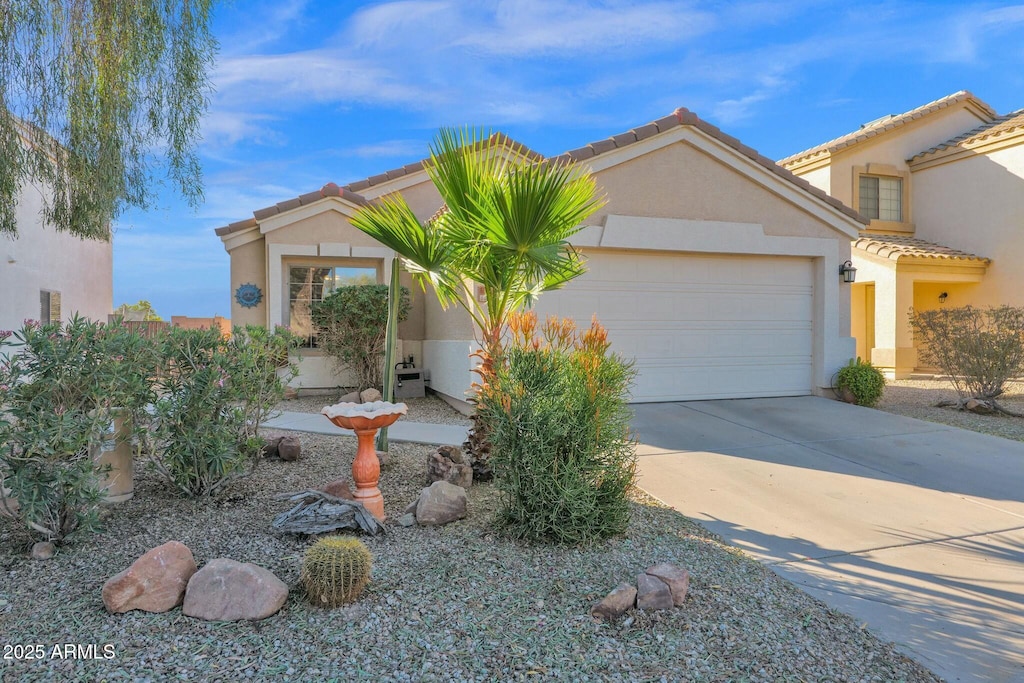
[
  {"x": 557, "y": 413},
  {"x": 351, "y": 327},
  {"x": 980, "y": 349}
]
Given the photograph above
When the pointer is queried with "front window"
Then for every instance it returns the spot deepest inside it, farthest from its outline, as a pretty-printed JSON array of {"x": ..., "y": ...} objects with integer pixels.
[
  {"x": 881, "y": 198},
  {"x": 309, "y": 284}
]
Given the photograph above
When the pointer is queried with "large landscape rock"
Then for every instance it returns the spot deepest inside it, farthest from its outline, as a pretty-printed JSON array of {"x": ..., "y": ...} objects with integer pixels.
[
  {"x": 370, "y": 395},
  {"x": 616, "y": 603},
  {"x": 652, "y": 593},
  {"x": 289, "y": 448},
  {"x": 226, "y": 590},
  {"x": 441, "y": 503},
  {"x": 270, "y": 446},
  {"x": 350, "y": 397},
  {"x": 676, "y": 578},
  {"x": 43, "y": 550},
  {"x": 447, "y": 464},
  {"x": 153, "y": 583}
]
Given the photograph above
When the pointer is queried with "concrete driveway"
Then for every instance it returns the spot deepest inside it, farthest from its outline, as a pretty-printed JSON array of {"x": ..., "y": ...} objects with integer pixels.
[{"x": 914, "y": 528}]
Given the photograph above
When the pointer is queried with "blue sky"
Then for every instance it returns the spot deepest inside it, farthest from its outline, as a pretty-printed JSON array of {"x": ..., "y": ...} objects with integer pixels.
[{"x": 313, "y": 92}]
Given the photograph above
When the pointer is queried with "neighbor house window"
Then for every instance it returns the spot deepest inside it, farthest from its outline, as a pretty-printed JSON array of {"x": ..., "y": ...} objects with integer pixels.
[
  {"x": 49, "y": 306},
  {"x": 881, "y": 198},
  {"x": 309, "y": 284}
]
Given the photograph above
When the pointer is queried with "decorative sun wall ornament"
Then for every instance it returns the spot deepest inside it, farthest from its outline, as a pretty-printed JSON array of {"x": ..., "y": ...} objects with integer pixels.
[{"x": 248, "y": 295}]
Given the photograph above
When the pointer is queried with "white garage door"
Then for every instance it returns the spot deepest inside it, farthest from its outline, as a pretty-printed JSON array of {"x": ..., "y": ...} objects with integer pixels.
[{"x": 700, "y": 327}]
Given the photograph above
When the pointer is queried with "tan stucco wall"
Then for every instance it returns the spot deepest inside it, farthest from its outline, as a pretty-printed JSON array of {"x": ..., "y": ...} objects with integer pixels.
[
  {"x": 679, "y": 181},
  {"x": 894, "y": 148},
  {"x": 42, "y": 258},
  {"x": 249, "y": 265},
  {"x": 820, "y": 178},
  {"x": 976, "y": 204},
  {"x": 329, "y": 226}
]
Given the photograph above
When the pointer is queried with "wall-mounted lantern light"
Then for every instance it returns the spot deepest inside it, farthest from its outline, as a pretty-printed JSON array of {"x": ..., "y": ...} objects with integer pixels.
[
  {"x": 942, "y": 297},
  {"x": 848, "y": 272}
]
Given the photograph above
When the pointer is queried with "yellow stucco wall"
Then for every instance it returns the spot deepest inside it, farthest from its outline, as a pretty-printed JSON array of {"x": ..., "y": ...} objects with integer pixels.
[{"x": 976, "y": 204}]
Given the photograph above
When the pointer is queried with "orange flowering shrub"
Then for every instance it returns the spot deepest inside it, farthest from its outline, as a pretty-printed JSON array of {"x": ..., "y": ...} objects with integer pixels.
[{"x": 558, "y": 417}]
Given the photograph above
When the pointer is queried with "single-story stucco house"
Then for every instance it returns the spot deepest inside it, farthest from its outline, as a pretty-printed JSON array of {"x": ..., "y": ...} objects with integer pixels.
[
  {"x": 713, "y": 267},
  {"x": 943, "y": 187}
]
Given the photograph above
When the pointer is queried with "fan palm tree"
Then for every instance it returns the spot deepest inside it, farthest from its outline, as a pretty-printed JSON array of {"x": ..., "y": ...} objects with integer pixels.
[{"x": 504, "y": 226}]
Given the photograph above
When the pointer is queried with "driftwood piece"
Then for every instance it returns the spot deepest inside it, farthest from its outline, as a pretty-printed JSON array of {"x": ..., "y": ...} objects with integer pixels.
[{"x": 316, "y": 512}]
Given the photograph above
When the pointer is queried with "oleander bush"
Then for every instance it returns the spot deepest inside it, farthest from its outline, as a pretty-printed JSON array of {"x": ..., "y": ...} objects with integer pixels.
[
  {"x": 556, "y": 410},
  {"x": 60, "y": 385},
  {"x": 212, "y": 394},
  {"x": 863, "y": 380}
]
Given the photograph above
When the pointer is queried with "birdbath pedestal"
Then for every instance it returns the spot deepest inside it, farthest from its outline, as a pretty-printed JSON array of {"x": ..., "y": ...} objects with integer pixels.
[{"x": 365, "y": 419}]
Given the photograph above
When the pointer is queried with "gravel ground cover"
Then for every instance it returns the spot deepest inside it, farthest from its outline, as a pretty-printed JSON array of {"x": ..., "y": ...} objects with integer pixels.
[
  {"x": 427, "y": 409},
  {"x": 454, "y": 603},
  {"x": 917, "y": 398}
]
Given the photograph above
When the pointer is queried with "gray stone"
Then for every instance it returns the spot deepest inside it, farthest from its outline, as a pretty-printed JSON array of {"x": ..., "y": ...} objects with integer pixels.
[
  {"x": 350, "y": 397},
  {"x": 408, "y": 519},
  {"x": 652, "y": 593},
  {"x": 411, "y": 507},
  {"x": 226, "y": 590},
  {"x": 370, "y": 395},
  {"x": 384, "y": 458},
  {"x": 43, "y": 550},
  {"x": 289, "y": 449},
  {"x": 676, "y": 578},
  {"x": 441, "y": 503},
  {"x": 978, "y": 406},
  {"x": 153, "y": 583},
  {"x": 616, "y": 603},
  {"x": 453, "y": 453}
]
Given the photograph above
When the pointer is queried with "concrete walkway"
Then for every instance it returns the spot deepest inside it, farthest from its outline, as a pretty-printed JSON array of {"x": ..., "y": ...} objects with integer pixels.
[
  {"x": 414, "y": 432},
  {"x": 914, "y": 528}
]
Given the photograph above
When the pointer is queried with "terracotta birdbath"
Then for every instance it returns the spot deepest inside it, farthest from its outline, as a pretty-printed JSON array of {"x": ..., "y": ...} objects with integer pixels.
[{"x": 365, "y": 419}]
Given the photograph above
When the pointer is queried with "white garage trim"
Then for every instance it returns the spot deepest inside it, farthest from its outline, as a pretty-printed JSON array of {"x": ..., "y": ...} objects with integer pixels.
[{"x": 831, "y": 349}]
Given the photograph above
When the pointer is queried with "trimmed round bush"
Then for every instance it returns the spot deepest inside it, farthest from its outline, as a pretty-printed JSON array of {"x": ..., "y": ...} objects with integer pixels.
[
  {"x": 863, "y": 380},
  {"x": 335, "y": 570}
]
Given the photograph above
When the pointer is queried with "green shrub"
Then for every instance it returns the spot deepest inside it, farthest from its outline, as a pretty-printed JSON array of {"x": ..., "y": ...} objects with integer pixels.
[
  {"x": 558, "y": 418},
  {"x": 863, "y": 380},
  {"x": 980, "y": 349},
  {"x": 351, "y": 326},
  {"x": 59, "y": 386},
  {"x": 213, "y": 392}
]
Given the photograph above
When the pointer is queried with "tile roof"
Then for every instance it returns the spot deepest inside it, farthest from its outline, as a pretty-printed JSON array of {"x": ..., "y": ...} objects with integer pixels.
[
  {"x": 680, "y": 117},
  {"x": 352, "y": 190},
  {"x": 328, "y": 190},
  {"x": 685, "y": 117},
  {"x": 885, "y": 124},
  {"x": 1003, "y": 124},
  {"x": 896, "y": 246}
]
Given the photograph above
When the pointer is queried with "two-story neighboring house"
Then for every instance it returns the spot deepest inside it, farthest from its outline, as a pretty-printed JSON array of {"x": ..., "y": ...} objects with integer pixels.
[
  {"x": 943, "y": 187},
  {"x": 49, "y": 275}
]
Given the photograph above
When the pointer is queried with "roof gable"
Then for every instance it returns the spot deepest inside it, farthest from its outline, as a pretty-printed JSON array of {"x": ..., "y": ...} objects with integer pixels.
[
  {"x": 683, "y": 118},
  {"x": 1001, "y": 128},
  {"x": 890, "y": 123}
]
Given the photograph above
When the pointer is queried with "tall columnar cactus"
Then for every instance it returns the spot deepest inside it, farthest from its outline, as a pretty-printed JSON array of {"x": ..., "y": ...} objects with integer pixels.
[{"x": 335, "y": 570}]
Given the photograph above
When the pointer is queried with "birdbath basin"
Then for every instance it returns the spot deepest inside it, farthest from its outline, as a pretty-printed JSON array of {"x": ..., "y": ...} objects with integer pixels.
[{"x": 365, "y": 419}]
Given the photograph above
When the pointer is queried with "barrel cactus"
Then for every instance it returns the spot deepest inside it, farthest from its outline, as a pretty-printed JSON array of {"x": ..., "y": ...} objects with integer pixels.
[{"x": 335, "y": 570}]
